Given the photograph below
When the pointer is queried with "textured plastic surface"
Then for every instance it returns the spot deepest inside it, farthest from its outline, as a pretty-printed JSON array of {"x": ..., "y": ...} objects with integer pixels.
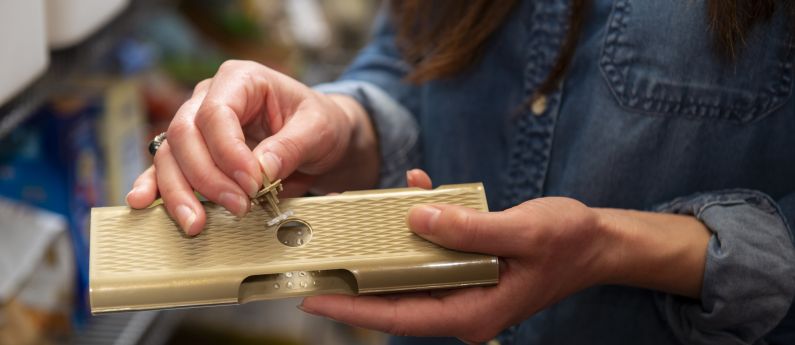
[{"x": 359, "y": 244}]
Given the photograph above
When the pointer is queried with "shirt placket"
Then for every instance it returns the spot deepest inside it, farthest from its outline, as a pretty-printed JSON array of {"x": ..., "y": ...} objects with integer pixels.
[{"x": 532, "y": 130}]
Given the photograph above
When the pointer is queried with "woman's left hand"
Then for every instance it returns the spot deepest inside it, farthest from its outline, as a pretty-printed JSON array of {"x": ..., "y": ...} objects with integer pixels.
[{"x": 549, "y": 248}]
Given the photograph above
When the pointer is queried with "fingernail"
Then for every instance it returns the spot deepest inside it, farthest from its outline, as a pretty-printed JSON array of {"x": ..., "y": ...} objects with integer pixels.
[
  {"x": 304, "y": 309},
  {"x": 422, "y": 218},
  {"x": 185, "y": 217},
  {"x": 271, "y": 164},
  {"x": 248, "y": 183},
  {"x": 235, "y": 203},
  {"x": 408, "y": 178}
]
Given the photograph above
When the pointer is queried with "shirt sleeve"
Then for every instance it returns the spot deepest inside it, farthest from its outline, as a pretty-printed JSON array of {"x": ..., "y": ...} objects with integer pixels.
[
  {"x": 376, "y": 80},
  {"x": 749, "y": 277}
]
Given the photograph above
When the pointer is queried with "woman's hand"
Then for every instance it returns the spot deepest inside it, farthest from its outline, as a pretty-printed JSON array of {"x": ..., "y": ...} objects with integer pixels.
[
  {"x": 246, "y": 120},
  {"x": 549, "y": 249}
]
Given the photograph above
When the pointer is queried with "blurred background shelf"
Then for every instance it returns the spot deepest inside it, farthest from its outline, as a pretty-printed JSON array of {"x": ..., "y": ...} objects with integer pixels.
[
  {"x": 76, "y": 136},
  {"x": 73, "y": 61},
  {"x": 142, "y": 328},
  {"x": 312, "y": 53}
]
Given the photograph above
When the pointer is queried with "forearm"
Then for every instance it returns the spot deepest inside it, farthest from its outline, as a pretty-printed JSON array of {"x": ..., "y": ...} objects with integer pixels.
[
  {"x": 359, "y": 167},
  {"x": 658, "y": 251}
]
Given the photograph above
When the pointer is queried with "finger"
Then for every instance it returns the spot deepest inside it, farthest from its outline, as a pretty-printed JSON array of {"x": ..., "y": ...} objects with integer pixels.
[
  {"x": 418, "y": 178},
  {"x": 201, "y": 87},
  {"x": 421, "y": 315},
  {"x": 466, "y": 229},
  {"x": 177, "y": 193},
  {"x": 144, "y": 189},
  {"x": 306, "y": 140},
  {"x": 191, "y": 153},
  {"x": 218, "y": 119}
]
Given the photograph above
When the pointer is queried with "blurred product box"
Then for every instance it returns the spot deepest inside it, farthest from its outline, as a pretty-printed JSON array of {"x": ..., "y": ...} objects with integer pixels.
[
  {"x": 36, "y": 276},
  {"x": 121, "y": 130},
  {"x": 23, "y": 54},
  {"x": 57, "y": 165},
  {"x": 71, "y": 21},
  {"x": 81, "y": 150}
]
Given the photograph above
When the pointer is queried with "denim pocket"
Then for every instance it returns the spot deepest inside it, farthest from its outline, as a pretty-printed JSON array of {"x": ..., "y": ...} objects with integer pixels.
[{"x": 658, "y": 58}]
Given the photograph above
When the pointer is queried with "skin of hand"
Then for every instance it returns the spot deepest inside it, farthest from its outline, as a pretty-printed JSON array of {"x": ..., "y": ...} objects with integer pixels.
[
  {"x": 549, "y": 248},
  {"x": 248, "y": 120}
]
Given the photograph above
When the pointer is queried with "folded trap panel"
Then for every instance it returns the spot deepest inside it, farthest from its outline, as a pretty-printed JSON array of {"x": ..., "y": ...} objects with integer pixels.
[{"x": 352, "y": 243}]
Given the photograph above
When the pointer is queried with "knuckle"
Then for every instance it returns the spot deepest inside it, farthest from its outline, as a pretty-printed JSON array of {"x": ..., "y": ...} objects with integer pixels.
[
  {"x": 210, "y": 108},
  {"x": 202, "y": 180},
  {"x": 463, "y": 222},
  {"x": 188, "y": 107},
  {"x": 177, "y": 129},
  {"x": 202, "y": 85},
  {"x": 457, "y": 220},
  {"x": 235, "y": 66},
  {"x": 329, "y": 133},
  {"x": 291, "y": 147},
  {"x": 212, "y": 112},
  {"x": 230, "y": 65}
]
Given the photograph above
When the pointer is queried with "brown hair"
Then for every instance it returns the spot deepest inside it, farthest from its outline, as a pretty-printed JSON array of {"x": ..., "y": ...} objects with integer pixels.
[{"x": 443, "y": 37}]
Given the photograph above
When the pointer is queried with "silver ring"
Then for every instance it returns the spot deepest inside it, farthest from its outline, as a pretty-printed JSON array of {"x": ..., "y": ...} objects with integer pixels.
[{"x": 156, "y": 142}]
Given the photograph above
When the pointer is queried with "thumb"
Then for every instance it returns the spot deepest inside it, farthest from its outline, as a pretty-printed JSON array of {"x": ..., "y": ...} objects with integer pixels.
[
  {"x": 306, "y": 141},
  {"x": 465, "y": 229}
]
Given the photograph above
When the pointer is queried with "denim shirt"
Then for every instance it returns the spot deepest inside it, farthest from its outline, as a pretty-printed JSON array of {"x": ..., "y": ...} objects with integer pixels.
[{"x": 648, "y": 117}]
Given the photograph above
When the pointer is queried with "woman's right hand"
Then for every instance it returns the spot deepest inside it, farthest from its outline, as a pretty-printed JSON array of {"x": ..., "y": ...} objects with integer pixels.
[{"x": 246, "y": 120}]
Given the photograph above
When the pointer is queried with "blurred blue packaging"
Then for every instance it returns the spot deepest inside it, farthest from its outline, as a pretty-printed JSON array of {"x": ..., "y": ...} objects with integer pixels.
[{"x": 56, "y": 164}]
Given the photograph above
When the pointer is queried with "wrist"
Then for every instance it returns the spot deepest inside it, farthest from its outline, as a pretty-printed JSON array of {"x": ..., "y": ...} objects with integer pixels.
[
  {"x": 663, "y": 252},
  {"x": 617, "y": 240},
  {"x": 607, "y": 251}
]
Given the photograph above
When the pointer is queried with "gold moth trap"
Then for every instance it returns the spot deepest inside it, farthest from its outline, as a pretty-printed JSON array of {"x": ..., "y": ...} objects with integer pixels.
[{"x": 351, "y": 243}]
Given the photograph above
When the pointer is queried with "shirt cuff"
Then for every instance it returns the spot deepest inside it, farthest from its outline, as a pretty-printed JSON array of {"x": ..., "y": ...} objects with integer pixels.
[
  {"x": 749, "y": 277},
  {"x": 396, "y": 128}
]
